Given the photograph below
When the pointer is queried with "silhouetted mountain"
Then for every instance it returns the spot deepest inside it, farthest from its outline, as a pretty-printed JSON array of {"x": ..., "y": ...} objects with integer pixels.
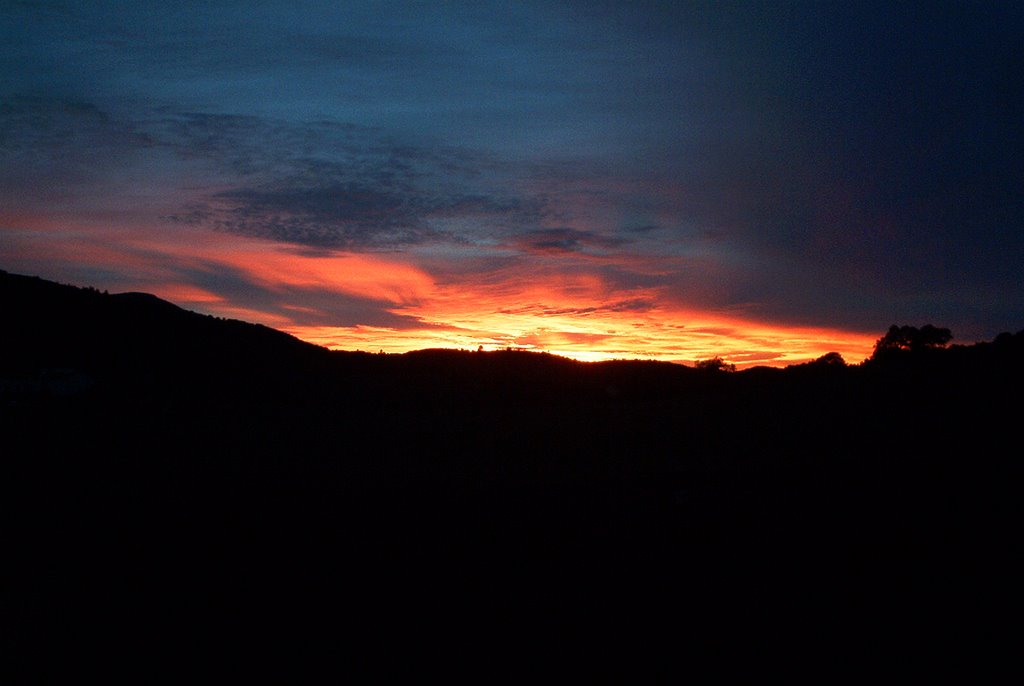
[
  {"x": 51, "y": 325},
  {"x": 158, "y": 459}
]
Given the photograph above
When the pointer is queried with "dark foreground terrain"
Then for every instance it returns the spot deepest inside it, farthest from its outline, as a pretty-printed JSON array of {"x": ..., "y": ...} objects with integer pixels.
[{"x": 177, "y": 484}]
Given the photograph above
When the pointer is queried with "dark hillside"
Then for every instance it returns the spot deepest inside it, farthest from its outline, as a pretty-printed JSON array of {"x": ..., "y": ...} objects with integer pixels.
[
  {"x": 159, "y": 462},
  {"x": 49, "y": 325}
]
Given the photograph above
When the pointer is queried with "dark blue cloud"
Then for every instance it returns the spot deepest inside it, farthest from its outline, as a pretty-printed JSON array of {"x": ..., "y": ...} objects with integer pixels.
[
  {"x": 62, "y": 147},
  {"x": 563, "y": 240},
  {"x": 318, "y": 184}
]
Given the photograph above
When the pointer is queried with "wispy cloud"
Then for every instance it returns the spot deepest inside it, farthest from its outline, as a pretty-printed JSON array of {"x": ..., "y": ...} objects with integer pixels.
[
  {"x": 563, "y": 240},
  {"x": 324, "y": 184}
]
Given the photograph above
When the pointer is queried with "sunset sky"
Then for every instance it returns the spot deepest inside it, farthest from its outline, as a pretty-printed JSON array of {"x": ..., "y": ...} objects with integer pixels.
[{"x": 765, "y": 182}]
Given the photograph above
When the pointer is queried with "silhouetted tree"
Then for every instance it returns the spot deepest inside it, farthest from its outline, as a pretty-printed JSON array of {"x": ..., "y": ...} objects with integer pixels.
[
  {"x": 911, "y": 339},
  {"x": 1005, "y": 338},
  {"x": 832, "y": 359},
  {"x": 715, "y": 364}
]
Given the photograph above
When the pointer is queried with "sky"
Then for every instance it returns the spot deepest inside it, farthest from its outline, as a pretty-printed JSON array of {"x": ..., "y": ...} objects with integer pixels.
[{"x": 761, "y": 182}]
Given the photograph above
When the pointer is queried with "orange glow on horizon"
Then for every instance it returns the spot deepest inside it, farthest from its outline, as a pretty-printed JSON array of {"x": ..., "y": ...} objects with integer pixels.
[
  {"x": 747, "y": 345},
  {"x": 555, "y": 304},
  {"x": 581, "y": 318}
]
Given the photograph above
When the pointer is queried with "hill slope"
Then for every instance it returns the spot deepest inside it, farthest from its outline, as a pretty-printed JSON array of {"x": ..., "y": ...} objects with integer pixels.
[{"x": 148, "y": 438}]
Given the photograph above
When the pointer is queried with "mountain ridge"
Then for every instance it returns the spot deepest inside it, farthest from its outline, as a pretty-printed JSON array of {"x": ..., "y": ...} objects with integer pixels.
[{"x": 224, "y": 455}]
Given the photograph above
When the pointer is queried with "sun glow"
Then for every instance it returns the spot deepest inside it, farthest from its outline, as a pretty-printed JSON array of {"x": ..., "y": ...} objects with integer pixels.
[
  {"x": 541, "y": 303},
  {"x": 581, "y": 318},
  {"x": 651, "y": 337}
]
